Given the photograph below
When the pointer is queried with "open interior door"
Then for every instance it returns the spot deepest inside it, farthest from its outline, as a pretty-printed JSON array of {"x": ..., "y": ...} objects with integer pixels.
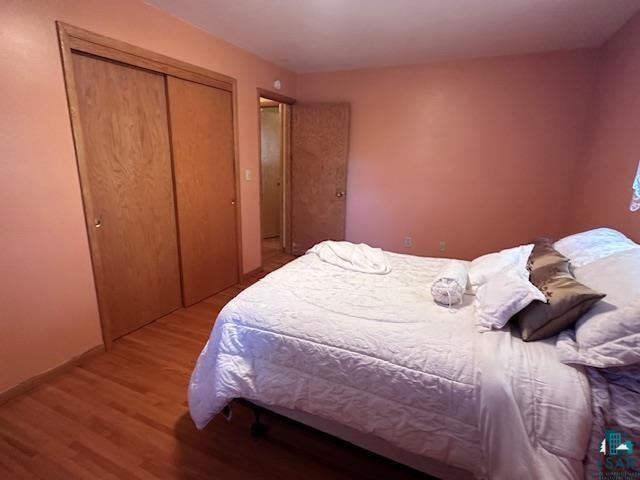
[{"x": 319, "y": 153}]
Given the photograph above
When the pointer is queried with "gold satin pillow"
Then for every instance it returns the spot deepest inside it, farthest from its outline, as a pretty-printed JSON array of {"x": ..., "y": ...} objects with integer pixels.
[
  {"x": 567, "y": 299},
  {"x": 545, "y": 261}
]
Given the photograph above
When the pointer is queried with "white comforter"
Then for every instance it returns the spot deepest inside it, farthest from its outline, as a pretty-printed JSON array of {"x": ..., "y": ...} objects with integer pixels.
[{"x": 374, "y": 352}]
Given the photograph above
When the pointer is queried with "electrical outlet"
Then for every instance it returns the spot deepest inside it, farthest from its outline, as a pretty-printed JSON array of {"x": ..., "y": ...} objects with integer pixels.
[
  {"x": 408, "y": 242},
  {"x": 443, "y": 245}
]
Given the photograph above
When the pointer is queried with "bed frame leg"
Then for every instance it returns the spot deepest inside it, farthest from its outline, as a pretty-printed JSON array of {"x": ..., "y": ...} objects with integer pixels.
[
  {"x": 257, "y": 428},
  {"x": 227, "y": 413}
]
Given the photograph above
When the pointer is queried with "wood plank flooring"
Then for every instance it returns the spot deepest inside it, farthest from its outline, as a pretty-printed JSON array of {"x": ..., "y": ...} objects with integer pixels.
[{"x": 123, "y": 415}]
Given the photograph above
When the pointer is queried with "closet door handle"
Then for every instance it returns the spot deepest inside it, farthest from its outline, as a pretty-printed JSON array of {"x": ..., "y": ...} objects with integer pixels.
[
  {"x": 233, "y": 202},
  {"x": 98, "y": 223},
  {"x": 339, "y": 194}
]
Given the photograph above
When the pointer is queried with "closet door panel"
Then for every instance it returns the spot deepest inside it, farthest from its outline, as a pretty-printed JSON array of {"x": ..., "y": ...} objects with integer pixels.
[
  {"x": 201, "y": 119},
  {"x": 128, "y": 191}
]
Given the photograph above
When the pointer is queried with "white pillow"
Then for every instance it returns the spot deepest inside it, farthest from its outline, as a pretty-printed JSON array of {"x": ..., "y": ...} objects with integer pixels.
[
  {"x": 484, "y": 268},
  {"x": 610, "y": 339},
  {"x": 586, "y": 247},
  {"x": 609, "y": 334},
  {"x": 504, "y": 295}
]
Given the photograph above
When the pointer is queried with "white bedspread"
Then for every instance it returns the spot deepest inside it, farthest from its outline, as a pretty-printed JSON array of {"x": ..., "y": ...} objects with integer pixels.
[{"x": 374, "y": 352}]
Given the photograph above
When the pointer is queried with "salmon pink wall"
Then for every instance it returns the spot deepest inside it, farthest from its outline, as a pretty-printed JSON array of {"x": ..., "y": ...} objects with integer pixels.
[
  {"x": 48, "y": 310},
  {"x": 612, "y": 150},
  {"x": 478, "y": 153}
]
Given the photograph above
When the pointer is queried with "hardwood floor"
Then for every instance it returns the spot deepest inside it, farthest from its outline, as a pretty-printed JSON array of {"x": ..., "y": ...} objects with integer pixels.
[
  {"x": 272, "y": 251},
  {"x": 123, "y": 415}
]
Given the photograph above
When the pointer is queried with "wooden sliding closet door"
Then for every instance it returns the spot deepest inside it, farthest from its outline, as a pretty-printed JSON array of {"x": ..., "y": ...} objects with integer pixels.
[
  {"x": 201, "y": 120},
  {"x": 128, "y": 192}
]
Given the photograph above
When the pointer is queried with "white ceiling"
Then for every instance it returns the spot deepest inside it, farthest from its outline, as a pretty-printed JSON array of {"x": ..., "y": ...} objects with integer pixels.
[{"x": 315, "y": 35}]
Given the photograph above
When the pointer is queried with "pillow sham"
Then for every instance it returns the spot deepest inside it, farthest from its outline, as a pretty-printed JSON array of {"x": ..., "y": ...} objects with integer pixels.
[
  {"x": 483, "y": 268},
  {"x": 586, "y": 247},
  {"x": 609, "y": 339},
  {"x": 544, "y": 260},
  {"x": 609, "y": 334},
  {"x": 503, "y": 296},
  {"x": 567, "y": 299}
]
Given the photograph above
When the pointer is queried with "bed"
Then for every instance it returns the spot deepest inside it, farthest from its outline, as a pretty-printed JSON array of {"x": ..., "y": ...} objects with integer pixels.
[
  {"x": 375, "y": 355},
  {"x": 373, "y": 360}
]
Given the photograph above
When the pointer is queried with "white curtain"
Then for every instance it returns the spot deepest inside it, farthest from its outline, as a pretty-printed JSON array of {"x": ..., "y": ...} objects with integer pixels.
[{"x": 635, "y": 200}]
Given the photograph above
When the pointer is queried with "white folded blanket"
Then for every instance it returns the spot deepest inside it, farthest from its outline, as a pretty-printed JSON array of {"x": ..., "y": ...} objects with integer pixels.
[
  {"x": 451, "y": 283},
  {"x": 358, "y": 258}
]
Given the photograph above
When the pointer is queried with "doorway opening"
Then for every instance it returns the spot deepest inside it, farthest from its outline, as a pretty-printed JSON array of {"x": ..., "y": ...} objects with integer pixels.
[
  {"x": 303, "y": 173},
  {"x": 274, "y": 177}
]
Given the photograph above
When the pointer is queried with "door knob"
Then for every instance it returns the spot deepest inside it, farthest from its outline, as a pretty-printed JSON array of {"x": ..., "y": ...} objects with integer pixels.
[
  {"x": 233, "y": 202},
  {"x": 98, "y": 223},
  {"x": 339, "y": 194}
]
